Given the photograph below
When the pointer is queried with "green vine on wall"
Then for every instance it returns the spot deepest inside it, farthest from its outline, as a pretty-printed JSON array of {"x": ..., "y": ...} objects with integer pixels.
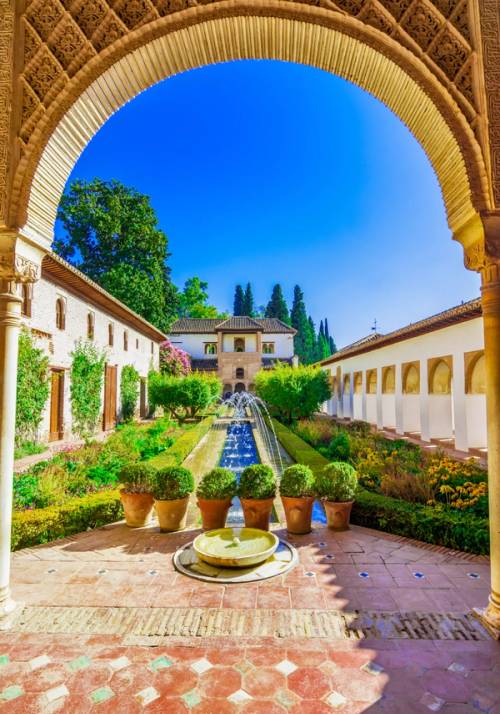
[
  {"x": 129, "y": 391},
  {"x": 32, "y": 388},
  {"x": 87, "y": 376}
]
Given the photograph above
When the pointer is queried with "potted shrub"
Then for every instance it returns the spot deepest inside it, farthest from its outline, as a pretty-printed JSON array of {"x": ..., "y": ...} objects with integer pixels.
[
  {"x": 135, "y": 493},
  {"x": 257, "y": 490},
  {"x": 336, "y": 485},
  {"x": 215, "y": 493},
  {"x": 171, "y": 488},
  {"x": 297, "y": 488}
]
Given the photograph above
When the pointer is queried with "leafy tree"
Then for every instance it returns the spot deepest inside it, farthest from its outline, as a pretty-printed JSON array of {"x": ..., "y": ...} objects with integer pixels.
[
  {"x": 239, "y": 300},
  {"x": 129, "y": 391},
  {"x": 87, "y": 377},
  {"x": 323, "y": 346},
  {"x": 112, "y": 235},
  {"x": 184, "y": 397},
  {"x": 193, "y": 300},
  {"x": 277, "y": 307},
  {"x": 303, "y": 340},
  {"x": 32, "y": 388},
  {"x": 293, "y": 392},
  {"x": 313, "y": 349},
  {"x": 248, "y": 302}
]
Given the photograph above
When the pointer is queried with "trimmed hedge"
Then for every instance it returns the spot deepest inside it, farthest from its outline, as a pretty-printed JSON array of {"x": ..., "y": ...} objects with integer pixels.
[
  {"x": 180, "y": 450},
  {"x": 42, "y": 525},
  {"x": 452, "y": 529}
]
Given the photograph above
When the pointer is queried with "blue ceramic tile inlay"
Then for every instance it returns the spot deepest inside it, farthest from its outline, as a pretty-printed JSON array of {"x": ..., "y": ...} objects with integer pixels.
[
  {"x": 474, "y": 576},
  {"x": 364, "y": 574},
  {"x": 418, "y": 575}
]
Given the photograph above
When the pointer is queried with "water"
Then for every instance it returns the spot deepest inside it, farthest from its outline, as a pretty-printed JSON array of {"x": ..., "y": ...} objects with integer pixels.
[{"x": 239, "y": 452}]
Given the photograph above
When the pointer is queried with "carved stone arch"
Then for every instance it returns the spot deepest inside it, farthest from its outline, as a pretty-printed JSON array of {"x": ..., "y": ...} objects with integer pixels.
[{"x": 91, "y": 70}]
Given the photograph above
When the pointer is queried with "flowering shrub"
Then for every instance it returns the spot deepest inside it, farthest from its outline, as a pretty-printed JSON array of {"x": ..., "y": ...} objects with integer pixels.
[
  {"x": 174, "y": 361},
  {"x": 399, "y": 469}
]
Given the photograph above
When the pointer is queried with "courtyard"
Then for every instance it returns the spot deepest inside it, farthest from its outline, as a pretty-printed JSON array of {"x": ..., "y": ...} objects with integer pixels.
[{"x": 365, "y": 622}]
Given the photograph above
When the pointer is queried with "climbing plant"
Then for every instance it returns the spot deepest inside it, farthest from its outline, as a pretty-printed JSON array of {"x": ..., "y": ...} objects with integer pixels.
[
  {"x": 32, "y": 388},
  {"x": 87, "y": 376},
  {"x": 129, "y": 391}
]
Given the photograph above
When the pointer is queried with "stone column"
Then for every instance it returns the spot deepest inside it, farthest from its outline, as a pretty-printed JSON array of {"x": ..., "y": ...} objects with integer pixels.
[
  {"x": 491, "y": 318},
  {"x": 14, "y": 270},
  {"x": 363, "y": 395},
  {"x": 10, "y": 321},
  {"x": 351, "y": 395}
]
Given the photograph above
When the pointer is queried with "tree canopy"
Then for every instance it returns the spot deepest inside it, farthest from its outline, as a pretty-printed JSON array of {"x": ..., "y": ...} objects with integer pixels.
[
  {"x": 239, "y": 299},
  {"x": 112, "y": 235},
  {"x": 193, "y": 300},
  {"x": 293, "y": 392},
  {"x": 248, "y": 302}
]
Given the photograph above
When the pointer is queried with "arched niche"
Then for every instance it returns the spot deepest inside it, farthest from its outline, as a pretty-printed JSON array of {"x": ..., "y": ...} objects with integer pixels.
[
  {"x": 440, "y": 376},
  {"x": 389, "y": 380},
  {"x": 475, "y": 373},
  {"x": 358, "y": 382},
  {"x": 411, "y": 378},
  {"x": 371, "y": 381},
  {"x": 347, "y": 384}
]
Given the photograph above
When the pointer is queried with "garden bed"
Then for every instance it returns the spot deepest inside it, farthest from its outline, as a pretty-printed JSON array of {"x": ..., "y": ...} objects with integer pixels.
[
  {"x": 462, "y": 527},
  {"x": 76, "y": 490}
]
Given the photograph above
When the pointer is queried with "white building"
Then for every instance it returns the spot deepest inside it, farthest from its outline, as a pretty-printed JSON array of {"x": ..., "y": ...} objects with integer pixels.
[
  {"x": 236, "y": 348},
  {"x": 66, "y": 306},
  {"x": 426, "y": 379}
]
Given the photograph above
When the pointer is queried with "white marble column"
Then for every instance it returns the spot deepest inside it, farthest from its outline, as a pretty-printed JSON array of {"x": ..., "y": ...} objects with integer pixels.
[
  {"x": 10, "y": 321},
  {"x": 363, "y": 396}
]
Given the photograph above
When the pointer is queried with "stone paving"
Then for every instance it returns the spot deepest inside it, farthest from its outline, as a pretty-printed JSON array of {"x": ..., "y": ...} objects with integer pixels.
[{"x": 63, "y": 665}]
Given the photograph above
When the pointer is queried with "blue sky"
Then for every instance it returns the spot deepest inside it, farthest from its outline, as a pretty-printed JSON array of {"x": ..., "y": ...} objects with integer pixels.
[{"x": 273, "y": 172}]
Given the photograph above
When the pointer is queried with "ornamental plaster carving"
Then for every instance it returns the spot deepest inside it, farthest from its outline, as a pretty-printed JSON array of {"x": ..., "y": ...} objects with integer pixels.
[{"x": 18, "y": 269}]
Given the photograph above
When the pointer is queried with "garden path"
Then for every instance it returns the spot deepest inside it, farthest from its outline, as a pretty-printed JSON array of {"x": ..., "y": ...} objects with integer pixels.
[{"x": 366, "y": 622}]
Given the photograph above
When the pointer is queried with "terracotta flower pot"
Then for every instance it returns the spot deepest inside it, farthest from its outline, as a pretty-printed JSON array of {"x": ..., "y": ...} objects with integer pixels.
[
  {"x": 172, "y": 515},
  {"x": 298, "y": 512},
  {"x": 214, "y": 512},
  {"x": 137, "y": 508},
  {"x": 338, "y": 514},
  {"x": 257, "y": 512}
]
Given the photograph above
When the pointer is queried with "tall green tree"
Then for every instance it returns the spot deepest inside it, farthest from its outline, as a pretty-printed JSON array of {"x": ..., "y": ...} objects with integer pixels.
[
  {"x": 313, "y": 342},
  {"x": 112, "y": 235},
  {"x": 248, "y": 302},
  {"x": 331, "y": 343},
  {"x": 239, "y": 299},
  {"x": 277, "y": 307},
  {"x": 302, "y": 340},
  {"x": 323, "y": 346},
  {"x": 193, "y": 301}
]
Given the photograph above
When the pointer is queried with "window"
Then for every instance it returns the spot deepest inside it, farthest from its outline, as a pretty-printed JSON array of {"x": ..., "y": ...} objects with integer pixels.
[
  {"x": 152, "y": 347},
  {"x": 268, "y": 348},
  {"x": 125, "y": 340},
  {"x": 111, "y": 334},
  {"x": 210, "y": 348},
  {"x": 27, "y": 292},
  {"x": 240, "y": 372},
  {"x": 60, "y": 314},
  {"x": 136, "y": 343},
  {"x": 239, "y": 344},
  {"x": 90, "y": 325}
]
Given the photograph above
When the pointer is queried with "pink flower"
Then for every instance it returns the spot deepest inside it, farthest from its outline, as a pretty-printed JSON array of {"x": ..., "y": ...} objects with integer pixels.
[{"x": 173, "y": 360}]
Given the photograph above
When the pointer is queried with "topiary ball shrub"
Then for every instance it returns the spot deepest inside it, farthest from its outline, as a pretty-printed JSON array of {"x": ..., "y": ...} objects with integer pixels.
[
  {"x": 137, "y": 478},
  {"x": 340, "y": 447},
  {"x": 171, "y": 483},
  {"x": 218, "y": 484},
  {"x": 337, "y": 482},
  {"x": 297, "y": 482},
  {"x": 257, "y": 481}
]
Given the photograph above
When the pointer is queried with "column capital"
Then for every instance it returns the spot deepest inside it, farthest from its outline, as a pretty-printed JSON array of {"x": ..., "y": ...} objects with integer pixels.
[
  {"x": 20, "y": 263},
  {"x": 480, "y": 239}
]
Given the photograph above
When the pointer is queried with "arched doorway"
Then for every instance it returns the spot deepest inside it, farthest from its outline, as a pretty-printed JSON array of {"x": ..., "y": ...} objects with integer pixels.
[
  {"x": 239, "y": 387},
  {"x": 425, "y": 72}
]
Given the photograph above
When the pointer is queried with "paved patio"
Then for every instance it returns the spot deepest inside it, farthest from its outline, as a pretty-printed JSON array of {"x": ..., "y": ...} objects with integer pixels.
[{"x": 366, "y": 622}]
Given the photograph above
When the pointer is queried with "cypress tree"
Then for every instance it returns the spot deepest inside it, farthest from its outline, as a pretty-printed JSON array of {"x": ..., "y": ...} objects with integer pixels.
[
  {"x": 300, "y": 323},
  {"x": 313, "y": 343},
  {"x": 239, "y": 299},
  {"x": 248, "y": 303},
  {"x": 333, "y": 346},
  {"x": 277, "y": 307}
]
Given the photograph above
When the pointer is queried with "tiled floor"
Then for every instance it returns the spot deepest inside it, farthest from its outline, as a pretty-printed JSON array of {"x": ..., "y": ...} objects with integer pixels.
[{"x": 359, "y": 570}]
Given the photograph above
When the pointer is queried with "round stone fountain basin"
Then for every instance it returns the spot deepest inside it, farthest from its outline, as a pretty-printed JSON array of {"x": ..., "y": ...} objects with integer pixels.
[{"x": 235, "y": 547}]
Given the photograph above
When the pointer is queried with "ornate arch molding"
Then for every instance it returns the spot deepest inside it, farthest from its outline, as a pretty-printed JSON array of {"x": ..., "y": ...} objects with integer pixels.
[{"x": 74, "y": 109}]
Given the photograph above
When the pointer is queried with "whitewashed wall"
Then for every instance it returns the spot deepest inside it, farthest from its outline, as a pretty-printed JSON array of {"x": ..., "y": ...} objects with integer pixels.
[
  {"x": 194, "y": 345},
  {"x": 459, "y": 415},
  {"x": 58, "y": 344}
]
